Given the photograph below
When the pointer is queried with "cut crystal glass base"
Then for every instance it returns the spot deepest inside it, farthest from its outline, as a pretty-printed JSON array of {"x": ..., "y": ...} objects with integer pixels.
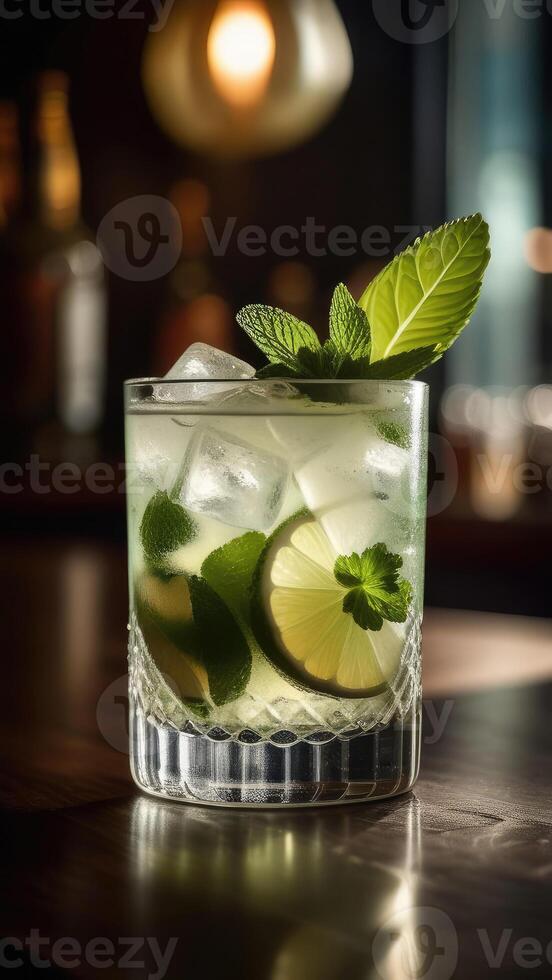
[{"x": 196, "y": 768}]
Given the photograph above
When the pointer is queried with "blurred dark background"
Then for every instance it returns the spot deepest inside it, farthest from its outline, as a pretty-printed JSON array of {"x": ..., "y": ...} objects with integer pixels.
[{"x": 101, "y": 105}]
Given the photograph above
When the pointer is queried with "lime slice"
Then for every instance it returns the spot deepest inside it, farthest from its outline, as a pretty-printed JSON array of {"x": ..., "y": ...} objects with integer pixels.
[
  {"x": 187, "y": 679},
  {"x": 190, "y": 631},
  {"x": 167, "y": 603},
  {"x": 168, "y": 600},
  {"x": 164, "y": 612},
  {"x": 300, "y": 623}
]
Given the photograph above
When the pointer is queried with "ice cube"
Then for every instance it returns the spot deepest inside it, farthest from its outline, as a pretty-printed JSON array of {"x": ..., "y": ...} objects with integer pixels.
[
  {"x": 148, "y": 467},
  {"x": 359, "y": 487},
  {"x": 302, "y": 437},
  {"x": 260, "y": 397},
  {"x": 233, "y": 481},
  {"x": 155, "y": 445},
  {"x": 200, "y": 362}
]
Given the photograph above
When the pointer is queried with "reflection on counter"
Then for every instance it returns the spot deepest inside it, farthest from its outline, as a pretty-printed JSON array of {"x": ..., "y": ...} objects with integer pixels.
[{"x": 266, "y": 867}]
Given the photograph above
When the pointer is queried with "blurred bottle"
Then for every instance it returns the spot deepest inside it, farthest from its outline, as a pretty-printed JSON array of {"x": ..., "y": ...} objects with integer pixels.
[
  {"x": 195, "y": 309},
  {"x": 53, "y": 288}
]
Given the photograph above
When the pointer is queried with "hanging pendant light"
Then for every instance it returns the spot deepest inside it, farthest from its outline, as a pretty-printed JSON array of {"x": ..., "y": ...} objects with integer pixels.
[{"x": 247, "y": 77}]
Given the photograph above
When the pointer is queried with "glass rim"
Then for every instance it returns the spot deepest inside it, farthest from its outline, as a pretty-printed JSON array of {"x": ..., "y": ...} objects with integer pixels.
[{"x": 242, "y": 382}]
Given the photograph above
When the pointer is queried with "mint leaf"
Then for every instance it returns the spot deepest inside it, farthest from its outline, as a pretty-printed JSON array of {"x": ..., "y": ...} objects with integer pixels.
[
  {"x": 220, "y": 645},
  {"x": 399, "y": 368},
  {"x": 165, "y": 527},
  {"x": 349, "y": 327},
  {"x": 402, "y": 367},
  {"x": 349, "y": 368},
  {"x": 316, "y": 363},
  {"x": 427, "y": 294},
  {"x": 376, "y": 591},
  {"x": 395, "y": 433},
  {"x": 356, "y": 603},
  {"x": 275, "y": 371},
  {"x": 229, "y": 571},
  {"x": 328, "y": 363},
  {"x": 278, "y": 334},
  {"x": 348, "y": 570}
]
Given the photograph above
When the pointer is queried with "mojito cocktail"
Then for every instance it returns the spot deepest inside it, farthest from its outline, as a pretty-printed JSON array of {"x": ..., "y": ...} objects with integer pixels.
[
  {"x": 276, "y": 537},
  {"x": 276, "y": 544}
]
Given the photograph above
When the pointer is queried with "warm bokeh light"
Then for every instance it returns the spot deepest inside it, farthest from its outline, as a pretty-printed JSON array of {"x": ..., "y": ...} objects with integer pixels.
[
  {"x": 241, "y": 48},
  {"x": 539, "y": 406},
  {"x": 191, "y": 199},
  {"x": 60, "y": 174},
  {"x": 538, "y": 249},
  {"x": 291, "y": 285}
]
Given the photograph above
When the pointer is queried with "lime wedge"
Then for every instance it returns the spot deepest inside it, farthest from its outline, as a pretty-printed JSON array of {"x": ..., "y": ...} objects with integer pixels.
[
  {"x": 167, "y": 603},
  {"x": 187, "y": 678},
  {"x": 300, "y": 623},
  {"x": 164, "y": 612},
  {"x": 189, "y": 628}
]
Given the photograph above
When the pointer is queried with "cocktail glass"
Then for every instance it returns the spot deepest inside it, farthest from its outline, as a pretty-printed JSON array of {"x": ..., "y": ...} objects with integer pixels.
[{"x": 276, "y": 562}]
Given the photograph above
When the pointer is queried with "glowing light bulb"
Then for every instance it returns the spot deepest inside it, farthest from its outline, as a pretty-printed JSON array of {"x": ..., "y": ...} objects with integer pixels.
[
  {"x": 243, "y": 78},
  {"x": 241, "y": 47}
]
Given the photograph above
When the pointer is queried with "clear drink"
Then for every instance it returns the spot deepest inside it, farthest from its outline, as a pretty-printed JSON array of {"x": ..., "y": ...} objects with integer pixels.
[{"x": 276, "y": 555}]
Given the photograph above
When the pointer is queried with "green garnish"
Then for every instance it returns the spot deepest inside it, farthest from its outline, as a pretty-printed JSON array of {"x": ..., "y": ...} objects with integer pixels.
[
  {"x": 165, "y": 527},
  {"x": 221, "y": 646},
  {"x": 427, "y": 294},
  {"x": 394, "y": 432},
  {"x": 407, "y": 318},
  {"x": 377, "y": 592},
  {"x": 229, "y": 571},
  {"x": 193, "y": 637},
  {"x": 349, "y": 327},
  {"x": 278, "y": 334}
]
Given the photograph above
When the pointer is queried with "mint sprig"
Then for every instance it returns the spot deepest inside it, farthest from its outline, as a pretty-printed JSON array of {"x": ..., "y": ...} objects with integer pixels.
[
  {"x": 406, "y": 319},
  {"x": 376, "y": 591}
]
